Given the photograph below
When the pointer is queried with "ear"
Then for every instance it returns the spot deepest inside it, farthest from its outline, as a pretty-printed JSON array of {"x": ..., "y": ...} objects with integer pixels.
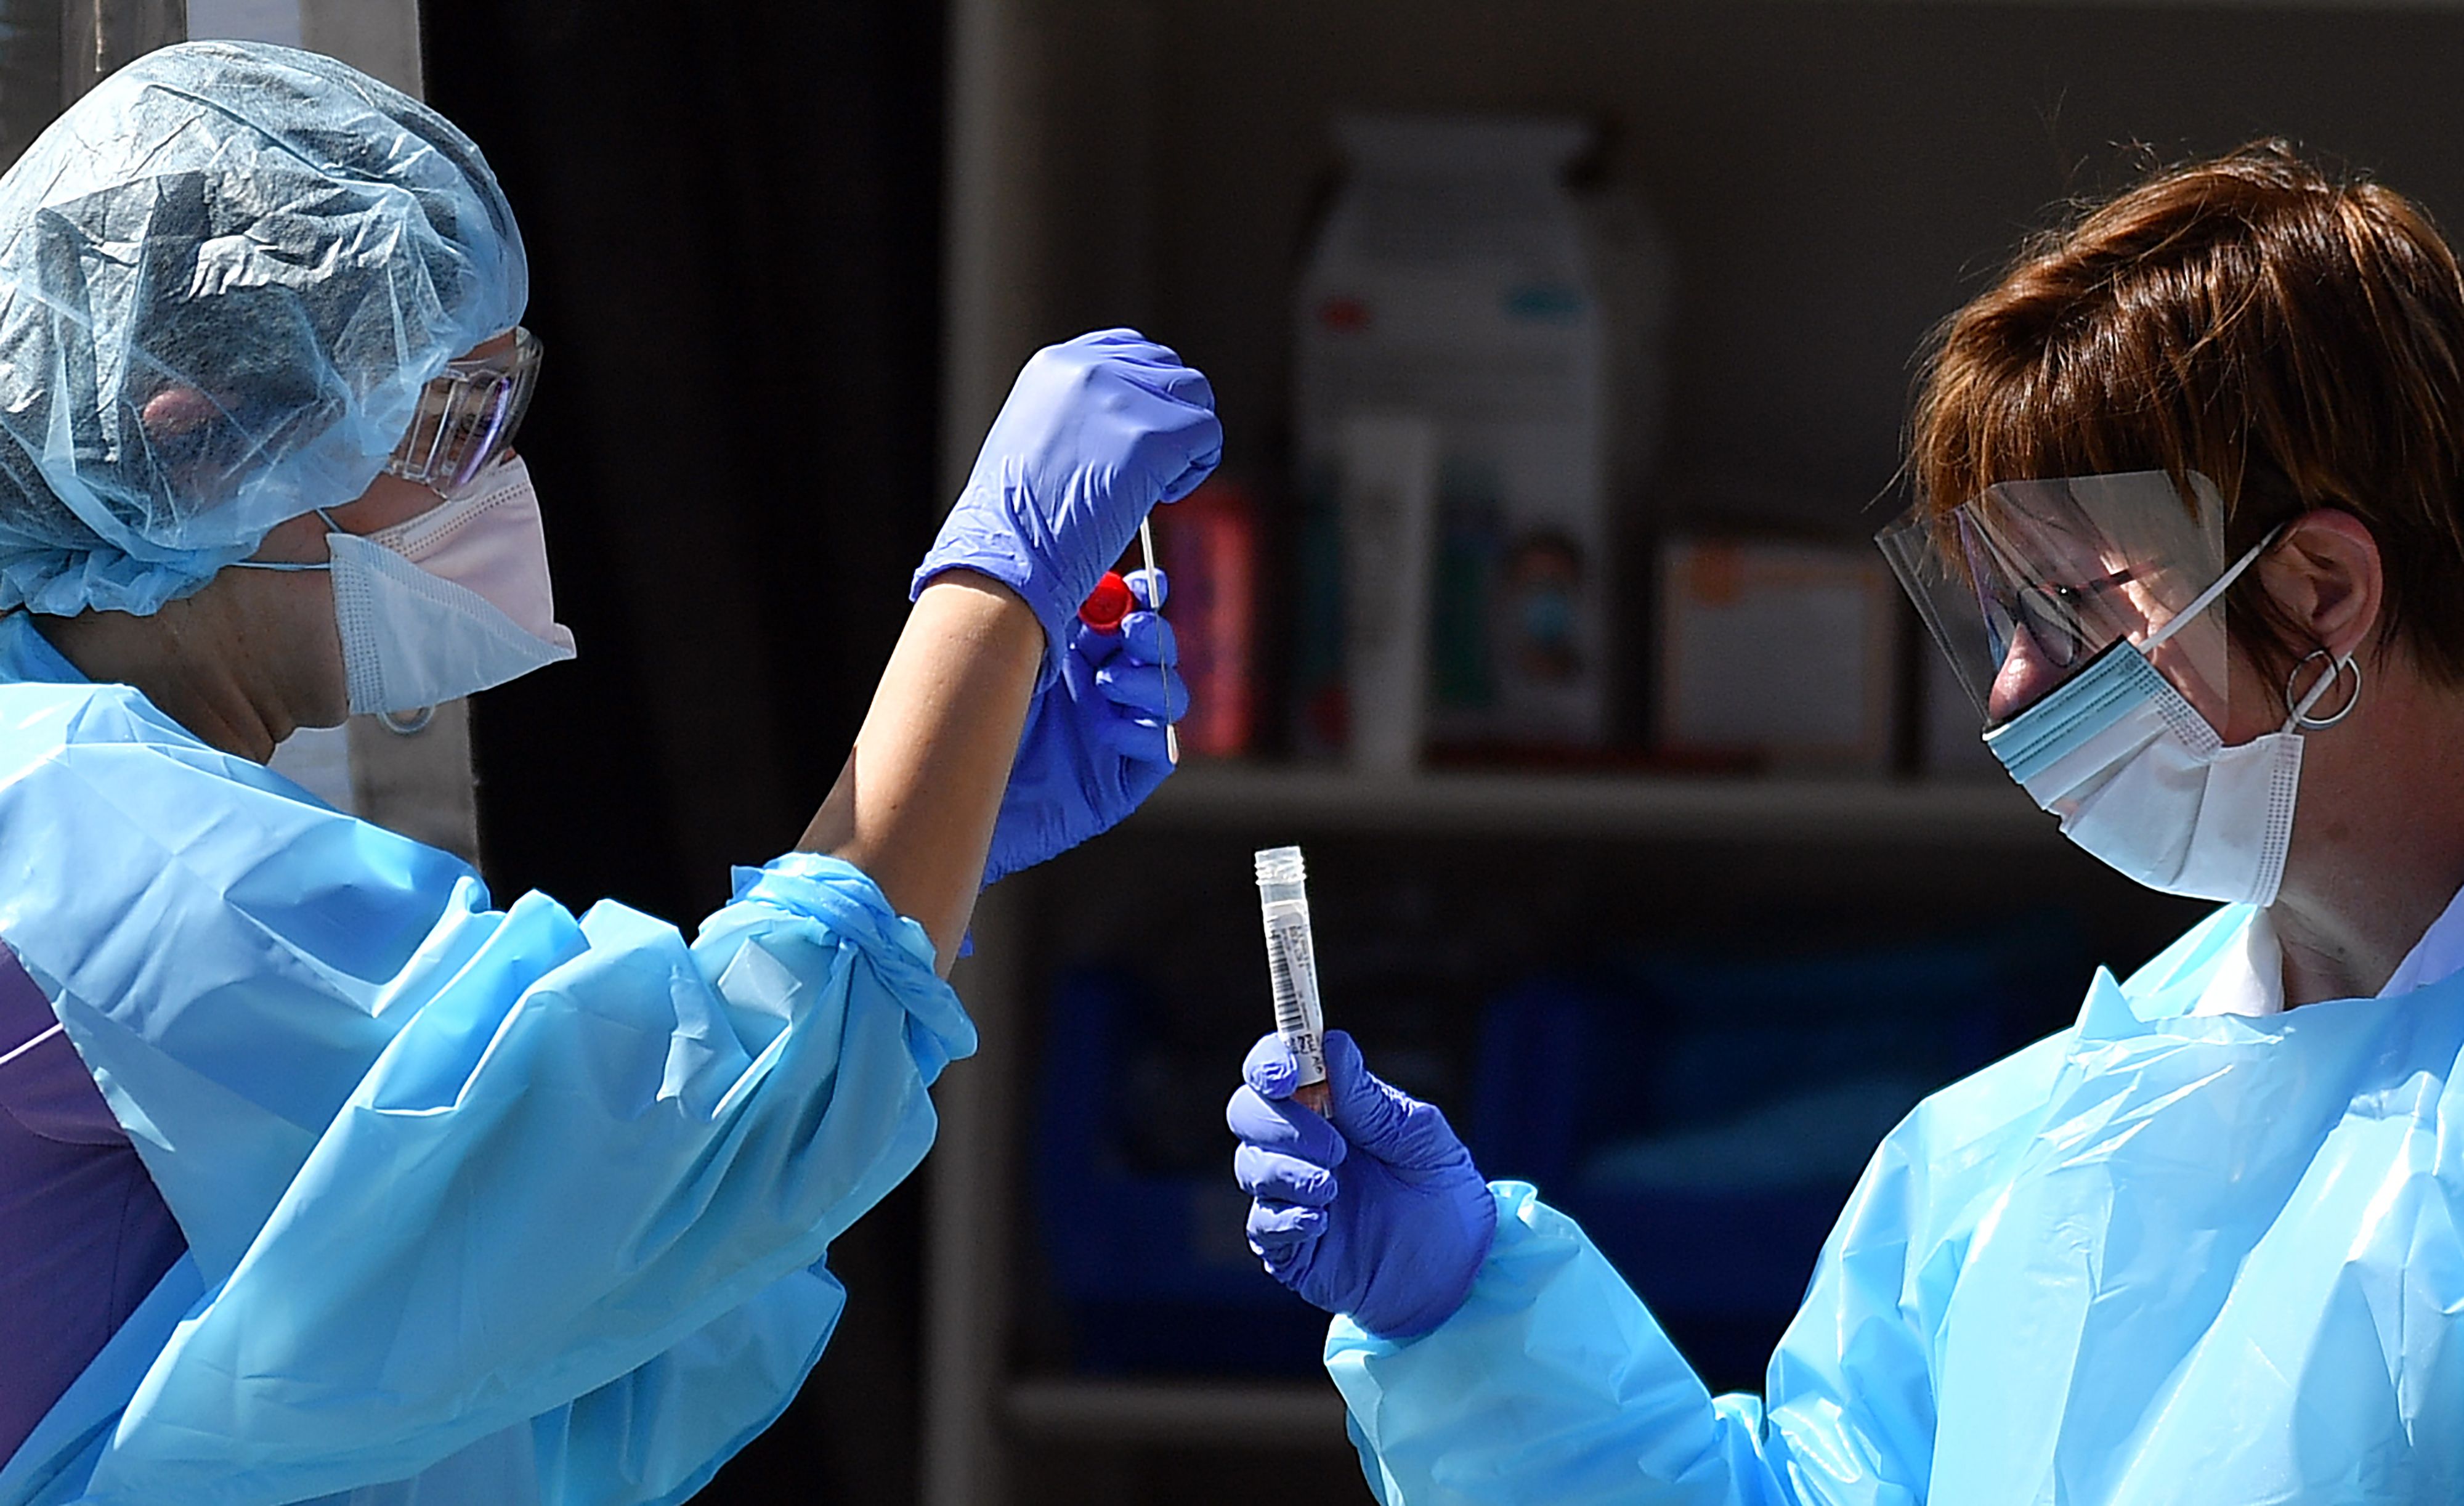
[{"x": 2325, "y": 573}]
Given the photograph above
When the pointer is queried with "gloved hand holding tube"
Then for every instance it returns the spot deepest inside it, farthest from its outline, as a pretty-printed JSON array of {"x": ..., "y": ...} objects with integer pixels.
[
  {"x": 1095, "y": 740},
  {"x": 1095, "y": 432},
  {"x": 1373, "y": 1210}
]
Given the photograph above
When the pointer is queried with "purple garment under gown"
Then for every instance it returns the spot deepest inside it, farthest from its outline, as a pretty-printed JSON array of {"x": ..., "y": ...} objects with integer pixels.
[{"x": 83, "y": 1234}]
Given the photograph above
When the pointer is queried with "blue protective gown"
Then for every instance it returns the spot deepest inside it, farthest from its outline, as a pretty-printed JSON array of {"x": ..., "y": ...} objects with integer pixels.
[
  {"x": 2155, "y": 1258},
  {"x": 498, "y": 1206}
]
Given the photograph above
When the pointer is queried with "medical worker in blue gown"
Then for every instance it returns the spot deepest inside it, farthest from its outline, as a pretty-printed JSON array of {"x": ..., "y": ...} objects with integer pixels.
[
  {"x": 2191, "y": 525},
  {"x": 322, "y": 1174}
]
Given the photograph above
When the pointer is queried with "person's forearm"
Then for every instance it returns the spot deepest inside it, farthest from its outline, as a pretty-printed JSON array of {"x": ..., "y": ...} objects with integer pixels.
[{"x": 914, "y": 806}]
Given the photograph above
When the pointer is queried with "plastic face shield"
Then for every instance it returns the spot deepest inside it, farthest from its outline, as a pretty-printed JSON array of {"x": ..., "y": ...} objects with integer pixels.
[
  {"x": 2022, "y": 586},
  {"x": 468, "y": 416}
]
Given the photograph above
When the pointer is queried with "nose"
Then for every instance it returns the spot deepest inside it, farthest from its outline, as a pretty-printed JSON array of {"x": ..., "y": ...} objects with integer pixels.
[{"x": 2022, "y": 681}]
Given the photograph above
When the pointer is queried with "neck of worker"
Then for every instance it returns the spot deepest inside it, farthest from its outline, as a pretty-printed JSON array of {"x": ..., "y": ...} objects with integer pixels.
[
  {"x": 2378, "y": 835},
  {"x": 191, "y": 660}
]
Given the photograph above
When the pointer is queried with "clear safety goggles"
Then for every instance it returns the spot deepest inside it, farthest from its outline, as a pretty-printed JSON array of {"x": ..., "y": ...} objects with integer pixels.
[
  {"x": 468, "y": 416},
  {"x": 2025, "y": 584}
]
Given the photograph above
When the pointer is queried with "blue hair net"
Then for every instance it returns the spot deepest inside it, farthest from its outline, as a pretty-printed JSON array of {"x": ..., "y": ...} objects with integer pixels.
[{"x": 225, "y": 275}]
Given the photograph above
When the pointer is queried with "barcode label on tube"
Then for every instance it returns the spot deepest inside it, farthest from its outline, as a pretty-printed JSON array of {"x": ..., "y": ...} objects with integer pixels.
[{"x": 1293, "y": 973}]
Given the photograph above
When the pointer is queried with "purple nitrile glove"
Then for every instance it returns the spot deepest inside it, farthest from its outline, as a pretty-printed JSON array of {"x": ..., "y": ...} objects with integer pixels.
[
  {"x": 1374, "y": 1211},
  {"x": 1096, "y": 431},
  {"x": 1095, "y": 742}
]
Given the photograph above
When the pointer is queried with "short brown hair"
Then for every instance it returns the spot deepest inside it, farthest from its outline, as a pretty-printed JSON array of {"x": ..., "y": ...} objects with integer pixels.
[{"x": 2297, "y": 337}]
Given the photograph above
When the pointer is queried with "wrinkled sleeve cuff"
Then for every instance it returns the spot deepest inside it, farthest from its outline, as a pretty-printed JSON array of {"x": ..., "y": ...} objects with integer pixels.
[{"x": 811, "y": 899}]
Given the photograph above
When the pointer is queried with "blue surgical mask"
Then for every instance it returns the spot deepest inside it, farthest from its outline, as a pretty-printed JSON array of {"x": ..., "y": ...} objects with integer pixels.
[{"x": 2143, "y": 780}]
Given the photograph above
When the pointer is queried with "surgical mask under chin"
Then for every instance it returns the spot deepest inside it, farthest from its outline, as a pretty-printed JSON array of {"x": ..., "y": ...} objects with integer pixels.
[{"x": 2143, "y": 780}]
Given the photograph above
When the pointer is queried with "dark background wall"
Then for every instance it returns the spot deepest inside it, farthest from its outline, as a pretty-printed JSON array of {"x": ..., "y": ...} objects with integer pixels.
[
  {"x": 732, "y": 223},
  {"x": 1832, "y": 178}
]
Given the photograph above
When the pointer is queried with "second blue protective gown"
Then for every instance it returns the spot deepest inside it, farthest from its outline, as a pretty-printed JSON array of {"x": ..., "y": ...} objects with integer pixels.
[
  {"x": 2154, "y": 1259},
  {"x": 495, "y": 1205}
]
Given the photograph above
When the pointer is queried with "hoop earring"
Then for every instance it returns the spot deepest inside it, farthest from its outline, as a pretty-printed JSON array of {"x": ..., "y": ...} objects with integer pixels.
[
  {"x": 2335, "y": 670},
  {"x": 416, "y": 722}
]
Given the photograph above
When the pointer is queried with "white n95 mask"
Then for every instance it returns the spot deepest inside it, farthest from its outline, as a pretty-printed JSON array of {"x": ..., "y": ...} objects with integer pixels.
[
  {"x": 2143, "y": 780},
  {"x": 450, "y": 603}
]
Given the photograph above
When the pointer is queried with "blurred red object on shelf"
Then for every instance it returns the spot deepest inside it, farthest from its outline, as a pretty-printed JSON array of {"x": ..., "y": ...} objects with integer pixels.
[{"x": 1209, "y": 544}]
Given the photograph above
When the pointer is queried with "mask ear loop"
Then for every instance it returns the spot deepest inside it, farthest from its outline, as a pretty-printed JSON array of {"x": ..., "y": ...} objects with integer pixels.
[
  {"x": 2300, "y": 716},
  {"x": 403, "y": 724},
  {"x": 2207, "y": 598},
  {"x": 331, "y": 527}
]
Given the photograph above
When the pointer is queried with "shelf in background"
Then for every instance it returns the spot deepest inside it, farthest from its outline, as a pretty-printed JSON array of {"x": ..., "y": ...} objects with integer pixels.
[
  {"x": 1179, "y": 1412},
  {"x": 1212, "y": 796}
]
